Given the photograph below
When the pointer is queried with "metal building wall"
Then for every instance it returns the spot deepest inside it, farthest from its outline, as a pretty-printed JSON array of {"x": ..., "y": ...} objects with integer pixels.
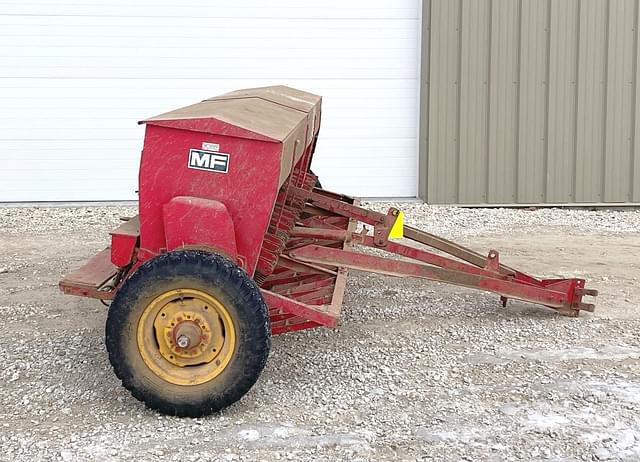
[{"x": 530, "y": 101}]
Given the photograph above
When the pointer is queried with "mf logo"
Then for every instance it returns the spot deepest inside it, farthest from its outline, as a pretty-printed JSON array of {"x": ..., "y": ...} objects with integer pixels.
[{"x": 208, "y": 160}]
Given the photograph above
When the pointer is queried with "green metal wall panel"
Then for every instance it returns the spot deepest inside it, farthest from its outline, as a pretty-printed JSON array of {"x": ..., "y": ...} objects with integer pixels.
[
  {"x": 503, "y": 101},
  {"x": 532, "y": 101},
  {"x": 474, "y": 96},
  {"x": 634, "y": 171},
  {"x": 443, "y": 100},
  {"x": 561, "y": 112},
  {"x": 619, "y": 97},
  {"x": 532, "y": 126},
  {"x": 590, "y": 129}
]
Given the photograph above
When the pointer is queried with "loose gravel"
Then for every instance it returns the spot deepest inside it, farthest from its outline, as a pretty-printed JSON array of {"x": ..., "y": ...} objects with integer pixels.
[
  {"x": 416, "y": 371},
  {"x": 445, "y": 221}
]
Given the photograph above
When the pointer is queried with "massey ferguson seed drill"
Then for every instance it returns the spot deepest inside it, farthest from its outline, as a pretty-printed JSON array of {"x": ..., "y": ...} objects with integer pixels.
[{"x": 236, "y": 241}]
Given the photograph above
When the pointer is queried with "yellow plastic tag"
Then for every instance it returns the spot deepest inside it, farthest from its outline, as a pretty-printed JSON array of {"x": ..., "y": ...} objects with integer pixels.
[{"x": 397, "y": 230}]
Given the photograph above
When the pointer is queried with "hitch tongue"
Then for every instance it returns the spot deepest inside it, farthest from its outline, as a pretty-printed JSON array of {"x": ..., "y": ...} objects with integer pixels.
[{"x": 582, "y": 291}]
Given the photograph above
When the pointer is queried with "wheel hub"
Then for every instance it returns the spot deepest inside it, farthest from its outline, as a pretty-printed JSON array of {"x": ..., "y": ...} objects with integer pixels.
[
  {"x": 187, "y": 333},
  {"x": 186, "y": 336}
]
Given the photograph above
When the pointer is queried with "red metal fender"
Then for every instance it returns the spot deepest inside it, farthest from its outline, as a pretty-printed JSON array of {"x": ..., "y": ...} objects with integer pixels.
[
  {"x": 124, "y": 240},
  {"x": 193, "y": 222}
]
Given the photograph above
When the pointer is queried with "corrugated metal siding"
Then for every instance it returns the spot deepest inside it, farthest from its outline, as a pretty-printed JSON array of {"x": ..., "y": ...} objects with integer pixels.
[{"x": 533, "y": 101}]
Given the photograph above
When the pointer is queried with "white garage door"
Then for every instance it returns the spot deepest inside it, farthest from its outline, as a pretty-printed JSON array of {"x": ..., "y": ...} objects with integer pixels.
[{"x": 76, "y": 76}]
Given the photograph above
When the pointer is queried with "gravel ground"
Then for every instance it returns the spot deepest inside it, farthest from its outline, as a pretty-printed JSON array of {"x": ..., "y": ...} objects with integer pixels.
[{"x": 416, "y": 371}]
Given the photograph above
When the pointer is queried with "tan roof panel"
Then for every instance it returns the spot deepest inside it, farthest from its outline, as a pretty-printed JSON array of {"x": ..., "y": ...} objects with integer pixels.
[
  {"x": 280, "y": 94},
  {"x": 273, "y": 112}
]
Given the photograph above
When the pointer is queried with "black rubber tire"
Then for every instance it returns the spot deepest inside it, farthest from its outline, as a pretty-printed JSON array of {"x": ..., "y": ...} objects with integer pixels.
[{"x": 217, "y": 276}]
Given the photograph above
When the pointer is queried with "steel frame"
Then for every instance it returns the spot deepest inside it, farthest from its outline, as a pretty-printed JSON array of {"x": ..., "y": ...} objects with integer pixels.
[
  {"x": 469, "y": 269},
  {"x": 306, "y": 286},
  {"x": 302, "y": 295}
]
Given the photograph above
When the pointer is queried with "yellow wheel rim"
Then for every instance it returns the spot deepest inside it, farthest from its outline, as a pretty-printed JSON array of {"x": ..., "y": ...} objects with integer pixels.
[{"x": 186, "y": 336}]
